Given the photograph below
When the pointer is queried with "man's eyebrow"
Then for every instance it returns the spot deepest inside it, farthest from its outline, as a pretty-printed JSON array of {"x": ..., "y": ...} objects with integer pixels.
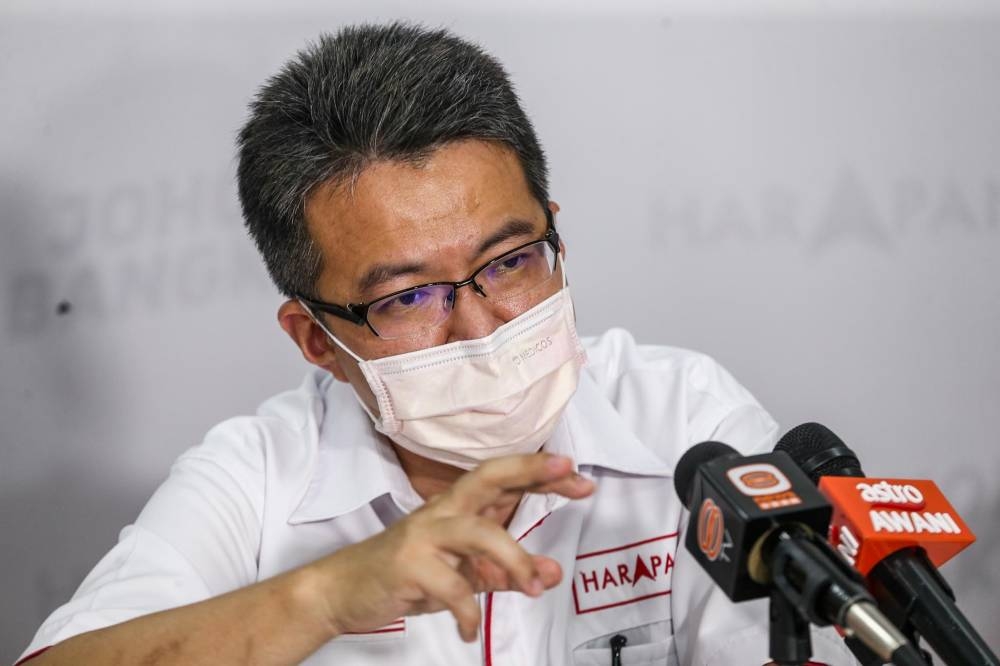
[
  {"x": 380, "y": 273},
  {"x": 512, "y": 229}
]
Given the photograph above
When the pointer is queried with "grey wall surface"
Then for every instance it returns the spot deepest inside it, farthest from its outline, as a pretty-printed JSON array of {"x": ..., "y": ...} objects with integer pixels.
[{"x": 811, "y": 197}]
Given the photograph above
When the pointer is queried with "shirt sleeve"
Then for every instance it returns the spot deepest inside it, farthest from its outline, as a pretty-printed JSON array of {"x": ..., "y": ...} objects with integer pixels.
[{"x": 197, "y": 537}]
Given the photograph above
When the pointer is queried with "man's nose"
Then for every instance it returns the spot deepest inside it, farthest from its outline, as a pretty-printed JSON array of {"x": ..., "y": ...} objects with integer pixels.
[{"x": 474, "y": 316}]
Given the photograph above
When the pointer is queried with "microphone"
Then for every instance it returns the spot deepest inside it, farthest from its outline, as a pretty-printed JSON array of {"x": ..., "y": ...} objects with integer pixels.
[
  {"x": 896, "y": 532},
  {"x": 755, "y": 530}
]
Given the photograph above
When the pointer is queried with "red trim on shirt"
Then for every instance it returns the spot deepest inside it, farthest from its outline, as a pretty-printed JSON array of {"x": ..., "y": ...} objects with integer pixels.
[
  {"x": 365, "y": 633},
  {"x": 398, "y": 624},
  {"x": 540, "y": 521},
  {"x": 487, "y": 623},
  {"x": 617, "y": 603},
  {"x": 488, "y": 615},
  {"x": 628, "y": 545},
  {"x": 32, "y": 655}
]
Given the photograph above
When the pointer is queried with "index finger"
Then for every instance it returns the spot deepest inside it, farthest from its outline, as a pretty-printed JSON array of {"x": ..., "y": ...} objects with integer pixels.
[{"x": 486, "y": 484}]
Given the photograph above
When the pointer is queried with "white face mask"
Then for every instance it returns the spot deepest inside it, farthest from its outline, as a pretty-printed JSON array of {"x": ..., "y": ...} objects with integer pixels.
[{"x": 465, "y": 402}]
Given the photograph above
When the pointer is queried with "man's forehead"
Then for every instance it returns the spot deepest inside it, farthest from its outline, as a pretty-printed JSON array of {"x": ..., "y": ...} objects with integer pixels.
[
  {"x": 458, "y": 177},
  {"x": 398, "y": 213}
]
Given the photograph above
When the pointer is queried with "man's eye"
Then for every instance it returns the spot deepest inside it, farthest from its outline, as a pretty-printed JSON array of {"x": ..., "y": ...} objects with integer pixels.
[
  {"x": 507, "y": 266},
  {"x": 408, "y": 301},
  {"x": 412, "y": 298},
  {"x": 513, "y": 262}
]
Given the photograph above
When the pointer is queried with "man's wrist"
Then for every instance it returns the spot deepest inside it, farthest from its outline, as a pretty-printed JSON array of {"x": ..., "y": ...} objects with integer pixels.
[{"x": 309, "y": 593}]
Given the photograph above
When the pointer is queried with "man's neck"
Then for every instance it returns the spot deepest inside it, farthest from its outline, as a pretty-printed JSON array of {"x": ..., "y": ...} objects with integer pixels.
[{"x": 430, "y": 477}]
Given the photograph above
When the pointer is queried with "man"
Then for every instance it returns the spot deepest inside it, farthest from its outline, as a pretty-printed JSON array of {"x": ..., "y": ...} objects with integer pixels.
[{"x": 396, "y": 508}]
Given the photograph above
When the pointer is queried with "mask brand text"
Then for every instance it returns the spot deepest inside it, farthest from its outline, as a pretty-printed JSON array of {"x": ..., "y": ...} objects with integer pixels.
[{"x": 526, "y": 353}]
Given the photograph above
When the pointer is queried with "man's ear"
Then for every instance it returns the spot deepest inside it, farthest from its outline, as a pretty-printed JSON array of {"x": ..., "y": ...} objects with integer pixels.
[
  {"x": 311, "y": 339},
  {"x": 554, "y": 207}
]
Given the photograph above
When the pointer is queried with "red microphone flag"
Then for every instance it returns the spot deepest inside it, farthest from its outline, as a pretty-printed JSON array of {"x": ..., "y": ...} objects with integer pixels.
[{"x": 873, "y": 518}]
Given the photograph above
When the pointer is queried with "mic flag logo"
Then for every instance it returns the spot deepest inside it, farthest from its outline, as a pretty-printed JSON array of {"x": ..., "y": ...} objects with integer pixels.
[
  {"x": 902, "y": 496},
  {"x": 873, "y": 518},
  {"x": 713, "y": 539},
  {"x": 765, "y": 484},
  {"x": 735, "y": 501}
]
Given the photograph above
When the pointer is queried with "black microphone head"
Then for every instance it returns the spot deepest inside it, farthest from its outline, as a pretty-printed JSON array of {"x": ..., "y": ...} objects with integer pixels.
[
  {"x": 689, "y": 463},
  {"x": 818, "y": 452}
]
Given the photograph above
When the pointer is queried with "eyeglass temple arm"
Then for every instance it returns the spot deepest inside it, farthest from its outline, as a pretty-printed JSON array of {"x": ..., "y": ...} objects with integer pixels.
[{"x": 337, "y": 310}]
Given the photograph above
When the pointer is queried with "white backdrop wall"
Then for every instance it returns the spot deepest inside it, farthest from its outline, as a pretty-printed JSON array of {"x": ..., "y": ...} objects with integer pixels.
[{"x": 811, "y": 197}]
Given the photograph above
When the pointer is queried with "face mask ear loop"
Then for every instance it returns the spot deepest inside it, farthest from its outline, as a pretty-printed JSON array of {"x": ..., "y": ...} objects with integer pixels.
[
  {"x": 565, "y": 287},
  {"x": 384, "y": 404},
  {"x": 319, "y": 322}
]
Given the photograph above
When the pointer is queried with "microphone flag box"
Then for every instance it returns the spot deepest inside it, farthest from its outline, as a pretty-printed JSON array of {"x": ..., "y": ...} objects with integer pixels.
[
  {"x": 875, "y": 517},
  {"x": 737, "y": 500}
]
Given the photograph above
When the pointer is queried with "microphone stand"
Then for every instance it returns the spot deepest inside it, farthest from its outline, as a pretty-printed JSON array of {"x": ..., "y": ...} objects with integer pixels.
[
  {"x": 913, "y": 594},
  {"x": 790, "y": 643},
  {"x": 812, "y": 584}
]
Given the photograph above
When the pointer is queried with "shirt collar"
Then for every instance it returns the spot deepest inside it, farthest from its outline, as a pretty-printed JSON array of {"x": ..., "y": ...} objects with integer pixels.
[
  {"x": 355, "y": 465},
  {"x": 596, "y": 435}
]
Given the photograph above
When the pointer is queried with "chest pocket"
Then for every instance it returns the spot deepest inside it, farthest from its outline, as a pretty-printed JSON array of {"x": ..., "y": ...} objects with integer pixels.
[
  {"x": 647, "y": 645},
  {"x": 623, "y": 573}
]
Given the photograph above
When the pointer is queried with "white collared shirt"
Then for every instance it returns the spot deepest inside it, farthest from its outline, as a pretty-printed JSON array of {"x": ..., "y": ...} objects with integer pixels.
[{"x": 308, "y": 475}]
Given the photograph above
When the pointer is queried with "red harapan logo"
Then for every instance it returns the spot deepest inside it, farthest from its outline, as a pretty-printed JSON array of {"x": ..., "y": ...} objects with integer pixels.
[{"x": 623, "y": 575}]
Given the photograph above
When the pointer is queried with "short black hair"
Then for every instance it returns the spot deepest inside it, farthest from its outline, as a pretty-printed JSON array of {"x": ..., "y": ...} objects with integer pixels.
[{"x": 370, "y": 92}]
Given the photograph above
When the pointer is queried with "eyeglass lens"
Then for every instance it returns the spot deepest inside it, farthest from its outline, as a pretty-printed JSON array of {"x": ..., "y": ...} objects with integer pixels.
[{"x": 508, "y": 276}]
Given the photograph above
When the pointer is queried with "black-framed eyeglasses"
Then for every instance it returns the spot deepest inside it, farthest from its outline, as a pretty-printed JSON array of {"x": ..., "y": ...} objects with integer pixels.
[{"x": 411, "y": 311}]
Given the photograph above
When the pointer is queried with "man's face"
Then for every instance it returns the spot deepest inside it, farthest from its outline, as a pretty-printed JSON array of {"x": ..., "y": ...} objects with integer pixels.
[{"x": 400, "y": 224}]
